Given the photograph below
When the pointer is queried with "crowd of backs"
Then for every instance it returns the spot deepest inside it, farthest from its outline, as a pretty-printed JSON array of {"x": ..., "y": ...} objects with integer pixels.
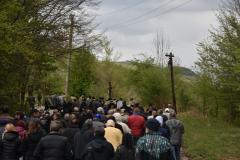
[{"x": 109, "y": 131}]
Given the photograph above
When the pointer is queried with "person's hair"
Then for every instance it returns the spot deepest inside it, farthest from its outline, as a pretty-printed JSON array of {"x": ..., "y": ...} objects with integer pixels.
[
  {"x": 136, "y": 110},
  {"x": 172, "y": 115},
  {"x": 127, "y": 141},
  {"x": 33, "y": 126},
  {"x": 55, "y": 126},
  {"x": 20, "y": 114},
  {"x": 74, "y": 119},
  {"x": 10, "y": 128},
  {"x": 57, "y": 116},
  {"x": 100, "y": 133}
]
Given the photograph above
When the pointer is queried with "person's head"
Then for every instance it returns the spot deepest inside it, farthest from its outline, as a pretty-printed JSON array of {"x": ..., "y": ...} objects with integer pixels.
[
  {"x": 99, "y": 132},
  {"x": 76, "y": 109},
  {"x": 33, "y": 126},
  {"x": 74, "y": 119},
  {"x": 100, "y": 110},
  {"x": 154, "y": 113},
  {"x": 110, "y": 123},
  {"x": 19, "y": 115},
  {"x": 56, "y": 116},
  {"x": 88, "y": 124},
  {"x": 136, "y": 110},
  {"x": 160, "y": 111},
  {"x": 67, "y": 117},
  {"x": 172, "y": 115},
  {"x": 152, "y": 125},
  {"x": 56, "y": 111},
  {"x": 10, "y": 128},
  {"x": 55, "y": 126},
  {"x": 35, "y": 113},
  {"x": 118, "y": 117}
]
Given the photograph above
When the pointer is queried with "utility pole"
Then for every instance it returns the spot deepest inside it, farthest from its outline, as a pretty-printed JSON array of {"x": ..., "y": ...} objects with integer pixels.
[
  {"x": 170, "y": 64},
  {"x": 110, "y": 90},
  {"x": 69, "y": 55}
]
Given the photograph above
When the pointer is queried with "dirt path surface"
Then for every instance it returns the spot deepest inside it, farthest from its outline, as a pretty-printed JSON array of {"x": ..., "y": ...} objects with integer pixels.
[{"x": 184, "y": 157}]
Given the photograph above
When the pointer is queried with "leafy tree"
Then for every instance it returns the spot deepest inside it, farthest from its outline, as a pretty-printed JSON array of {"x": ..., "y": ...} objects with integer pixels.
[
  {"x": 220, "y": 58},
  {"x": 32, "y": 39},
  {"x": 150, "y": 82},
  {"x": 83, "y": 72}
]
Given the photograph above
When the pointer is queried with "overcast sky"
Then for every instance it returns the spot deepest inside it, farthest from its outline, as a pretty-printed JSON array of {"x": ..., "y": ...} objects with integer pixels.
[{"x": 132, "y": 25}]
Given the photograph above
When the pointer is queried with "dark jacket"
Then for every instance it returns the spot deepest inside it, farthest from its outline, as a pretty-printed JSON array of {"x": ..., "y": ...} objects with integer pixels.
[
  {"x": 9, "y": 146},
  {"x": 98, "y": 149},
  {"x": 123, "y": 153},
  {"x": 81, "y": 139},
  {"x": 53, "y": 147},
  {"x": 29, "y": 144},
  {"x": 70, "y": 132}
]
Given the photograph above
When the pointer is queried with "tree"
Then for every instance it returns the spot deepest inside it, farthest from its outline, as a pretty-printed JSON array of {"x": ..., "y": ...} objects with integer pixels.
[
  {"x": 162, "y": 47},
  {"x": 32, "y": 40},
  {"x": 82, "y": 72},
  {"x": 220, "y": 58},
  {"x": 150, "y": 82}
]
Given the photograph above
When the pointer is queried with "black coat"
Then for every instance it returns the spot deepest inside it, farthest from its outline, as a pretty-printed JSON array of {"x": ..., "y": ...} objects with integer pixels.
[
  {"x": 98, "y": 149},
  {"x": 53, "y": 147},
  {"x": 81, "y": 139},
  {"x": 122, "y": 153},
  {"x": 29, "y": 144},
  {"x": 70, "y": 132},
  {"x": 10, "y": 146}
]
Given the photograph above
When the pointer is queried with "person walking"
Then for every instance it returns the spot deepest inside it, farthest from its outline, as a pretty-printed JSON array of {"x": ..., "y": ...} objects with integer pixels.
[
  {"x": 99, "y": 148},
  {"x": 136, "y": 123},
  {"x": 176, "y": 128},
  {"x": 152, "y": 146},
  {"x": 54, "y": 146},
  {"x": 126, "y": 150},
  {"x": 82, "y": 138},
  {"x": 34, "y": 134},
  {"x": 10, "y": 143},
  {"x": 112, "y": 134}
]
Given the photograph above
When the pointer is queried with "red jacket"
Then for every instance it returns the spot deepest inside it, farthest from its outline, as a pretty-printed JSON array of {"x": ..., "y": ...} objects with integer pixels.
[{"x": 137, "y": 125}]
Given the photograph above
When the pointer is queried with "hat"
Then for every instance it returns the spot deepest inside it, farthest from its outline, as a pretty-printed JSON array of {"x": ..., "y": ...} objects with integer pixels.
[
  {"x": 110, "y": 123},
  {"x": 118, "y": 117},
  {"x": 153, "y": 125}
]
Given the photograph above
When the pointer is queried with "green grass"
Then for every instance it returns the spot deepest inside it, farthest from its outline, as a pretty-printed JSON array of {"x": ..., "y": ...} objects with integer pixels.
[{"x": 206, "y": 139}]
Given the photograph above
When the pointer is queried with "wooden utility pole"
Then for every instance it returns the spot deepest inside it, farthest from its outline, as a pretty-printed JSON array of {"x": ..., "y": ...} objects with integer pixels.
[
  {"x": 69, "y": 55},
  {"x": 110, "y": 90},
  {"x": 170, "y": 64}
]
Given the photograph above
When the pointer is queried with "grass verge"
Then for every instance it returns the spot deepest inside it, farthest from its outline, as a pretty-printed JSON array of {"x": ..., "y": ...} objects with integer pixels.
[{"x": 206, "y": 139}]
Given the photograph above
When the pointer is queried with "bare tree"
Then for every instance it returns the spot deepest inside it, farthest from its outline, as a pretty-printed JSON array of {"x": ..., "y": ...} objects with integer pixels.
[{"x": 162, "y": 46}]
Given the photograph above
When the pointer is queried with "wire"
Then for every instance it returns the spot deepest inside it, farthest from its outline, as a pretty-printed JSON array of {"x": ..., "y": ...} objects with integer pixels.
[
  {"x": 123, "y": 9},
  {"x": 145, "y": 14},
  {"x": 122, "y": 25}
]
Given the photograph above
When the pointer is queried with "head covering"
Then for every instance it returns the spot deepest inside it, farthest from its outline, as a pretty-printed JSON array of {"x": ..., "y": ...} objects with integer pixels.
[
  {"x": 100, "y": 110},
  {"x": 110, "y": 123},
  {"x": 118, "y": 117},
  {"x": 153, "y": 125}
]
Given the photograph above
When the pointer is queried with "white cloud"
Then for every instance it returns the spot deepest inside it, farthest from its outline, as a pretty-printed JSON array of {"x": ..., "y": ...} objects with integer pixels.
[{"x": 185, "y": 26}]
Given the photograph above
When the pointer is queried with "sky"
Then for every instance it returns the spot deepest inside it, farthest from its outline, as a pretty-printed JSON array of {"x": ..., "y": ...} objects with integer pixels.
[{"x": 132, "y": 25}]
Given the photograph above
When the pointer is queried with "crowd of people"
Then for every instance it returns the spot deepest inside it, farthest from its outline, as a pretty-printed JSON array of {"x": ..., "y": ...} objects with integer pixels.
[{"x": 91, "y": 129}]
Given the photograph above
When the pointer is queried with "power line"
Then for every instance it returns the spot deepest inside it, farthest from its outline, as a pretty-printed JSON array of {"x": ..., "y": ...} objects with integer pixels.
[
  {"x": 123, "y": 9},
  {"x": 124, "y": 25},
  {"x": 145, "y": 14}
]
